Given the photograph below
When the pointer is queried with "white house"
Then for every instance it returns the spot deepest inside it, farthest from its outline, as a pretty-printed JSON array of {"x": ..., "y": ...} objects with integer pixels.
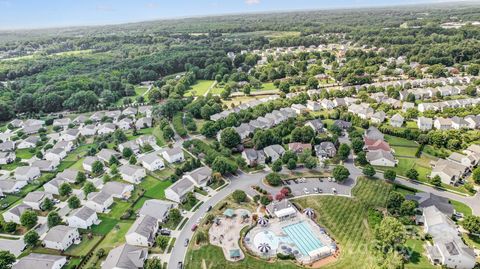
[
  {"x": 70, "y": 175},
  {"x": 88, "y": 162},
  {"x": 63, "y": 122},
  {"x": 26, "y": 173},
  {"x": 142, "y": 232},
  {"x": 99, "y": 201},
  {"x": 442, "y": 124},
  {"x": 88, "y": 130},
  {"x": 35, "y": 199},
  {"x": 152, "y": 162},
  {"x": 424, "y": 124},
  {"x": 178, "y": 190},
  {"x": 173, "y": 155},
  {"x": 381, "y": 158},
  {"x": 7, "y": 157},
  {"x": 61, "y": 237},
  {"x": 159, "y": 209},
  {"x": 53, "y": 186},
  {"x": 106, "y": 154},
  {"x": 126, "y": 254},
  {"x": 125, "y": 124},
  {"x": 28, "y": 143},
  {"x": 106, "y": 128},
  {"x": 44, "y": 261},
  {"x": 70, "y": 134},
  {"x": 396, "y": 120},
  {"x": 132, "y": 173},
  {"x": 14, "y": 213},
  {"x": 118, "y": 189},
  {"x": 11, "y": 185},
  {"x": 200, "y": 176},
  {"x": 55, "y": 154},
  {"x": 45, "y": 165},
  {"x": 82, "y": 218},
  {"x": 145, "y": 122}
]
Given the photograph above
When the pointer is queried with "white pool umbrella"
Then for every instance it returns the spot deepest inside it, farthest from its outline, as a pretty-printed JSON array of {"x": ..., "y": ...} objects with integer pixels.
[
  {"x": 262, "y": 221},
  {"x": 264, "y": 248},
  {"x": 309, "y": 212}
]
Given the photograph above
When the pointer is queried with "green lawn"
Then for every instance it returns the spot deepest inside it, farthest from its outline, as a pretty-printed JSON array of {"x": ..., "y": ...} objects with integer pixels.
[
  {"x": 157, "y": 191},
  {"x": 398, "y": 141},
  {"x": 418, "y": 258},
  {"x": 461, "y": 207},
  {"x": 24, "y": 153},
  {"x": 200, "y": 88},
  {"x": 118, "y": 208},
  {"x": 344, "y": 218},
  {"x": 105, "y": 226},
  {"x": 140, "y": 90},
  {"x": 157, "y": 132},
  {"x": 83, "y": 248},
  {"x": 266, "y": 87}
]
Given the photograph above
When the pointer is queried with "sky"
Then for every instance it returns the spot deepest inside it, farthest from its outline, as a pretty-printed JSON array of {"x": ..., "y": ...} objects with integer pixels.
[{"x": 25, "y": 14}]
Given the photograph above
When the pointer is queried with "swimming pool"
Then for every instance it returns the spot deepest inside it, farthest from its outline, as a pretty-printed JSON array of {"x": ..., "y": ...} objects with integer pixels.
[
  {"x": 303, "y": 237},
  {"x": 270, "y": 238}
]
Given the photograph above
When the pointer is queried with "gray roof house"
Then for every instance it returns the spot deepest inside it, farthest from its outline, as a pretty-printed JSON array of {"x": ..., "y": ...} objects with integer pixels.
[
  {"x": 43, "y": 261},
  {"x": 316, "y": 125},
  {"x": 200, "y": 176},
  {"x": 126, "y": 257},
  {"x": 274, "y": 151},
  {"x": 326, "y": 149},
  {"x": 253, "y": 157},
  {"x": 158, "y": 209},
  {"x": 106, "y": 154},
  {"x": 69, "y": 175},
  {"x": 143, "y": 231},
  {"x": 426, "y": 199},
  {"x": 118, "y": 189},
  {"x": 178, "y": 190},
  {"x": 373, "y": 134},
  {"x": 7, "y": 146}
]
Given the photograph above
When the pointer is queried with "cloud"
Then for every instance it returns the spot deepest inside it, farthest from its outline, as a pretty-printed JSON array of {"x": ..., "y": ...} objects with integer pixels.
[{"x": 252, "y": 2}]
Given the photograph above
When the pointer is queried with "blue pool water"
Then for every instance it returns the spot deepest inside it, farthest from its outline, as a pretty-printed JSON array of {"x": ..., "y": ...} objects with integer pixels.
[{"x": 303, "y": 237}]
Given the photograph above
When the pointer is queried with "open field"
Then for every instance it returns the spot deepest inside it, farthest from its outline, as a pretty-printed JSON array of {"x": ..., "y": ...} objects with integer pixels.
[{"x": 200, "y": 88}]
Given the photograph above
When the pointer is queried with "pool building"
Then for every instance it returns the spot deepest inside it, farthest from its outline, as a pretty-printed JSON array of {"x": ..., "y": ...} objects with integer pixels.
[{"x": 290, "y": 233}]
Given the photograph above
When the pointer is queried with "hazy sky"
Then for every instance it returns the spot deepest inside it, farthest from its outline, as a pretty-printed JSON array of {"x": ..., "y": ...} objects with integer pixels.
[{"x": 16, "y": 14}]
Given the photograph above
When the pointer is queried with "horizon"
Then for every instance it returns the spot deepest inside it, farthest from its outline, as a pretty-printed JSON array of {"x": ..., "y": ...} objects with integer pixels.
[{"x": 108, "y": 12}]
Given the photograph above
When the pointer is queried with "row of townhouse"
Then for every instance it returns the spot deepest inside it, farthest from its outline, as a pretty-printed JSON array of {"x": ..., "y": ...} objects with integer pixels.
[
  {"x": 439, "y": 106},
  {"x": 456, "y": 166},
  {"x": 418, "y": 83},
  {"x": 456, "y": 123},
  {"x": 428, "y": 93},
  {"x": 378, "y": 150},
  {"x": 251, "y": 104}
]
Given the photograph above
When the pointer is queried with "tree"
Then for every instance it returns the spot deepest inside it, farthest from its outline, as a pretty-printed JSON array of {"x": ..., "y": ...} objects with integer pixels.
[
  {"x": 114, "y": 169},
  {"x": 343, "y": 152},
  {"x": 73, "y": 202},
  {"x": 113, "y": 161},
  {"x": 239, "y": 196},
  {"x": 127, "y": 152},
  {"x": 436, "y": 181},
  {"x": 291, "y": 164},
  {"x": 412, "y": 174},
  {"x": 100, "y": 253},
  {"x": 31, "y": 238},
  {"x": 340, "y": 173},
  {"x": 277, "y": 166},
  {"x": 395, "y": 200},
  {"x": 53, "y": 219},
  {"x": 168, "y": 132},
  {"x": 368, "y": 170},
  {"x": 65, "y": 189},
  {"x": 47, "y": 205},
  {"x": 6, "y": 259},
  {"x": 361, "y": 158},
  {"x": 28, "y": 219},
  {"x": 357, "y": 145},
  {"x": 311, "y": 162},
  {"x": 224, "y": 166},
  {"x": 472, "y": 224},
  {"x": 390, "y": 233},
  {"x": 88, "y": 188},
  {"x": 162, "y": 241},
  {"x": 273, "y": 179},
  {"x": 476, "y": 175},
  {"x": 174, "y": 215},
  {"x": 133, "y": 160},
  {"x": 390, "y": 175},
  {"x": 10, "y": 227},
  {"x": 408, "y": 207},
  {"x": 97, "y": 167},
  {"x": 81, "y": 177},
  {"x": 229, "y": 138}
]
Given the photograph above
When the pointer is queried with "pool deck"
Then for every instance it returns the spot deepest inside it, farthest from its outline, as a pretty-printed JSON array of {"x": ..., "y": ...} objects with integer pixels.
[{"x": 227, "y": 234}]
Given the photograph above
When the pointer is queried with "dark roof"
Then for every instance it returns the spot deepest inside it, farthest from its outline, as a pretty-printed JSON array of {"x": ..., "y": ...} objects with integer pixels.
[{"x": 426, "y": 199}]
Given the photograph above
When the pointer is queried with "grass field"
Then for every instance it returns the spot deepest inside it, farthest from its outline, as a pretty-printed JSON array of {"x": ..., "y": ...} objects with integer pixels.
[
  {"x": 418, "y": 258},
  {"x": 200, "y": 88},
  {"x": 461, "y": 207},
  {"x": 83, "y": 248},
  {"x": 24, "y": 153},
  {"x": 344, "y": 218}
]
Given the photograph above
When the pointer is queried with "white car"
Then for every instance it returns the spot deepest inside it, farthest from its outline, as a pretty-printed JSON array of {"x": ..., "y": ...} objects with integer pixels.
[
  {"x": 306, "y": 191},
  {"x": 334, "y": 191}
]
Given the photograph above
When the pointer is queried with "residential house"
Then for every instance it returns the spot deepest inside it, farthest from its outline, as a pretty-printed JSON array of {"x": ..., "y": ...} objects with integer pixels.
[
  {"x": 424, "y": 124},
  {"x": 88, "y": 162},
  {"x": 316, "y": 125},
  {"x": 200, "y": 176},
  {"x": 88, "y": 130},
  {"x": 69, "y": 175},
  {"x": 448, "y": 171},
  {"x": 16, "y": 123},
  {"x": 142, "y": 232},
  {"x": 132, "y": 173},
  {"x": 372, "y": 133},
  {"x": 53, "y": 186},
  {"x": 177, "y": 191},
  {"x": 325, "y": 149},
  {"x": 407, "y": 105},
  {"x": 299, "y": 108},
  {"x": 313, "y": 105},
  {"x": 244, "y": 130},
  {"x": 82, "y": 218},
  {"x": 61, "y": 237},
  {"x": 55, "y": 154},
  {"x": 473, "y": 122},
  {"x": 97, "y": 116},
  {"x": 459, "y": 123},
  {"x": 80, "y": 119},
  {"x": 158, "y": 209},
  {"x": 106, "y": 154},
  {"x": 145, "y": 122},
  {"x": 106, "y": 128},
  {"x": 132, "y": 144},
  {"x": 35, "y": 199},
  {"x": 253, "y": 157},
  {"x": 63, "y": 122},
  {"x": 67, "y": 146},
  {"x": 397, "y": 120},
  {"x": 29, "y": 142},
  {"x": 43, "y": 261},
  {"x": 126, "y": 257},
  {"x": 465, "y": 160},
  {"x": 7, "y": 146},
  {"x": 299, "y": 147},
  {"x": 118, "y": 189},
  {"x": 113, "y": 114},
  {"x": 7, "y": 157},
  {"x": 152, "y": 162},
  {"x": 13, "y": 214},
  {"x": 274, "y": 152},
  {"x": 442, "y": 123},
  {"x": 125, "y": 124},
  {"x": 31, "y": 129},
  {"x": 99, "y": 201},
  {"x": 129, "y": 111},
  {"x": 45, "y": 165},
  {"x": 378, "y": 117},
  {"x": 145, "y": 110},
  {"x": 372, "y": 145},
  {"x": 70, "y": 134},
  {"x": 381, "y": 158},
  {"x": 145, "y": 140},
  {"x": 344, "y": 125},
  {"x": 173, "y": 155},
  {"x": 448, "y": 248},
  {"x": 11, "y": 185},
  {"x": 26, "y": 173},
  {"x": 427, "y": 199}
]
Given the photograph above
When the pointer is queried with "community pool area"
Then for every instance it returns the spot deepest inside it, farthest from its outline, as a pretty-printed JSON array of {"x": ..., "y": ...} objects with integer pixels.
[{"x": 303, "y": 237}]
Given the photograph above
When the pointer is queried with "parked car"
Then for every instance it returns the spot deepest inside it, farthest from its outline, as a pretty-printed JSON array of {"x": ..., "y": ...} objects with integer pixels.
[
  {"x": 194, "y": 227},
  {"x": 209, "y": 208},
  {"x": 305, "y": 190},
  {"x": 320, "y": 190},
  {"x": 334, "y": 191},
  {"x": 179, "y": 265},
  {"x": 315, "y": 190},
  {"x": 185, "y": 244},
  {"x": 166, "y": 232}
]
